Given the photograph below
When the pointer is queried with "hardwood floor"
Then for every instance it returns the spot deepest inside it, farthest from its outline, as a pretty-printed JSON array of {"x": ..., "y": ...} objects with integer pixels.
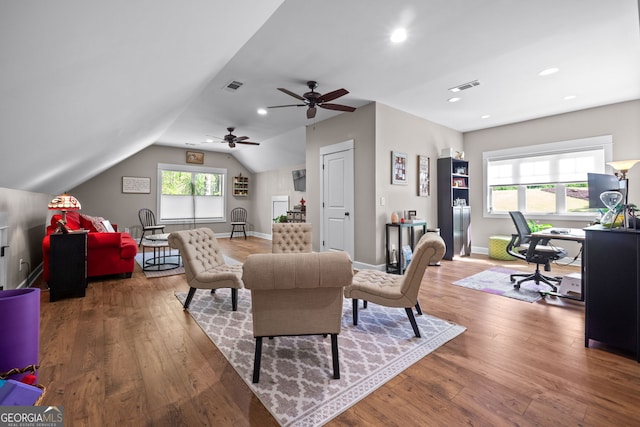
[{"x": 127, "y": 354}]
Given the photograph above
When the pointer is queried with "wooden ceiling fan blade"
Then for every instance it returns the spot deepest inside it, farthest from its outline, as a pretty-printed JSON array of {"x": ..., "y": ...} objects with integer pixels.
[
  {"x": 290, "y": 105},
  {"x": 337, "y": 107},
  {"x": 240, "y": 138},
  {"x": 288, "y": 92},
  {"x": 311, "y": 112},
  {"x": 247, "y": 142},
  {"x": 332, "y": 95}
]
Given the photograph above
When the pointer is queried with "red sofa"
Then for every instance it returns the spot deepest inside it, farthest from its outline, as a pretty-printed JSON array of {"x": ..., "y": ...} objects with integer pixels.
[{"x": 107, "y": 253}]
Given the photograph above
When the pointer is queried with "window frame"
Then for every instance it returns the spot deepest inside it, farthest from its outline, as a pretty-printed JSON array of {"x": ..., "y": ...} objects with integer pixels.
[
  {"x": 191, "y": 169},
  {"x": 604, "y": 142}
]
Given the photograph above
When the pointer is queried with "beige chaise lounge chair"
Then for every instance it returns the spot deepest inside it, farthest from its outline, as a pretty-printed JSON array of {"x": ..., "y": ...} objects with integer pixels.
[
  {"x": 204, "y": 264},
  {"x": 297, "y": 294},
  {"x": 392, "y": 290},
  {"x": 291, "y": 237}
]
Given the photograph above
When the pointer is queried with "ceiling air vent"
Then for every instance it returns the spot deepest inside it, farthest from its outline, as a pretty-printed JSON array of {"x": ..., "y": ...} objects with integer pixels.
[
  {"x": 233, "y": 85},
  {"x": 464, "y": 86}
]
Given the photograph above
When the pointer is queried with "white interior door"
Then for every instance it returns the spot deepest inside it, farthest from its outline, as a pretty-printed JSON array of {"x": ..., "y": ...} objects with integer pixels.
[{"x": 337, "y": 230}]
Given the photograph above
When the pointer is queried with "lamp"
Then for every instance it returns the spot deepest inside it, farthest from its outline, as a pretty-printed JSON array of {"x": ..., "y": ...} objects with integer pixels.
[
  {"x": 64, "y": 202},
  {"x": 623, "y": 166}
]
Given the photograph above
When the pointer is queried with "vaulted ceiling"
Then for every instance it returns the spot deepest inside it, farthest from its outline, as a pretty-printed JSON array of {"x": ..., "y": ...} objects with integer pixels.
[{"x": 84, "y": 85}]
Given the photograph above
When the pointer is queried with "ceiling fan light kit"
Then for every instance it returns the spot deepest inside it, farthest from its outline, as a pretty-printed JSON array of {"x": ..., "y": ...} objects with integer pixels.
[{"x": 313, "y": 99}]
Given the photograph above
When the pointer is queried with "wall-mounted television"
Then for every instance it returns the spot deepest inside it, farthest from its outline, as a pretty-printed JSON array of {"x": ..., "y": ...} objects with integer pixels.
[
  {"x": 299, "y": 180},
  {"x": 599, "y": 183}
]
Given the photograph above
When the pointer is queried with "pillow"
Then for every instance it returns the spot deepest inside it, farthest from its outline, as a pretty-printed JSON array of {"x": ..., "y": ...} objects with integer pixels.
[
  {"x": 107, "y": 226},
  {"x": 93, "y": 223}
]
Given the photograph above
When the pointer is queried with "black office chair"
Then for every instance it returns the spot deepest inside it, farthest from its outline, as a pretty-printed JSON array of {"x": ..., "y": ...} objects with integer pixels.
[
  {"x": 148, "y": 223},
  {"x": 239, "y": 220},
  {"x": 541, "y": 254}
]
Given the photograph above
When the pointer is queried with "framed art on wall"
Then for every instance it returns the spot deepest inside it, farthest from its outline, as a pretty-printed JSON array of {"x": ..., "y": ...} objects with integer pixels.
[
  {"x": 195, "y": 157},
  {"x": 424, "y": 184},
  {"x": 398, "y": 168},
  {"x": 136, "y": 184}
]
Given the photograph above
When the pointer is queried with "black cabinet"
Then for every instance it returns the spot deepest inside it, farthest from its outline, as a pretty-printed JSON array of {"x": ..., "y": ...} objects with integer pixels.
[
  {"x": 68, "y": 265},
  {"x": 612, "y": 288},
  {"x": 454, "y": 211}
]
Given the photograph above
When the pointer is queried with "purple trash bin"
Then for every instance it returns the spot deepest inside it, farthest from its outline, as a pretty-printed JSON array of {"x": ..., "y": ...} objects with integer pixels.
[{"x": 19, "y": 329}]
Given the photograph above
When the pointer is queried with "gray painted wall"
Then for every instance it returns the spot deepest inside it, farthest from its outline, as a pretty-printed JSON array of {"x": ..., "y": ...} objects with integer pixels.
[
  {"x": 27, "y": 216},
  {"x": 620, "y": 120},
  {"x": 102, "y": 195},
  {"x": 377, "y": 130}
]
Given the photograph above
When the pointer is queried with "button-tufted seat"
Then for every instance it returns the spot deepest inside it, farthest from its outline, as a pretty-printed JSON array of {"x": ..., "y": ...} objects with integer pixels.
[
  {"x": 392, "y": 290},
  {"x": 291, "y": 237},
  {"x": 204, "y": 263}
]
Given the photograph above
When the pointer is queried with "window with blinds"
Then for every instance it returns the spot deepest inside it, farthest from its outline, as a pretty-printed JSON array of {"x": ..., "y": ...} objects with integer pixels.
[{"x": 546, "y": 179}]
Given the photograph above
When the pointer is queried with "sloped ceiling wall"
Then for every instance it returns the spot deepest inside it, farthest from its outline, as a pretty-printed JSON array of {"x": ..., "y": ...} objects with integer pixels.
[{"x": 84, "y": 85}]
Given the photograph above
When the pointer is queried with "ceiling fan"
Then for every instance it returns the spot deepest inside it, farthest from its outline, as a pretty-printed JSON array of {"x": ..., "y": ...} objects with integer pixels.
[
  {"x": 232, "y": 140},
  {"x": 313, "y": 99}
]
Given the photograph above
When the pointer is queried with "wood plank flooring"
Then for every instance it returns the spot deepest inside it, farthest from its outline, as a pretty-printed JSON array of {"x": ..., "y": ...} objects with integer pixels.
[{"x": 128, "y": 355}]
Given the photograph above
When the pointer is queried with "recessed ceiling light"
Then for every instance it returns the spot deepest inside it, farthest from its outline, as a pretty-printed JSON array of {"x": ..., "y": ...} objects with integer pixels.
[
  {"x": 399, "y": 35},
  {"x": 568, "y": 97},
  {"x": 262, "y": 111},
  {"x": 548, "y": 71},
  {"x": 454, "y": 99},
  {"x": 208, "y": 140},
  {"x": 486, "y": 116}
]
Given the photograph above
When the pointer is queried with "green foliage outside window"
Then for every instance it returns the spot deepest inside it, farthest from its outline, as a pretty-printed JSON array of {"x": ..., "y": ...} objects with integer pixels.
[{"x": 178, "y": 183}]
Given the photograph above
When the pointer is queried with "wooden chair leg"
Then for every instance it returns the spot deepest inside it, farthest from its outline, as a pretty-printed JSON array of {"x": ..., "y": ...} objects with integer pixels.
[
  {"x": 192, "y": 292},
  {"x": 334, "y": 356},
  {"x": 354, "y": 303},
  {"x": 418, "y": 308},
  {"x": 364, "y": 304},
  {"x": 412, "y": 319},
  {"x": 234, "y": 299},
  {"x": 256, "y": 360},
  {"x": 244, "y": 230}
]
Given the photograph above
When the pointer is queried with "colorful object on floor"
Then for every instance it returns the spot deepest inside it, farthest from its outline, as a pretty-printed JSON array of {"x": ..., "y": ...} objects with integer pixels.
[
  {"x": 297, "y": 389},
  {"x": 19, "y": 330},
  {"x": 497, "y": 281},
  {"x": 16, "y": 393},
  {"x": 498, "y": 248}
]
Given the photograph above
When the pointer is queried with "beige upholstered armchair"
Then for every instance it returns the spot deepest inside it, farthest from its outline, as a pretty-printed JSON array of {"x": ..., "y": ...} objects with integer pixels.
[
  {"x": 392, "y": 290},
  {"x": 204, "y": 263},
  {"x": 297, "y": 294},
  {"x": 287, "y": 237}
]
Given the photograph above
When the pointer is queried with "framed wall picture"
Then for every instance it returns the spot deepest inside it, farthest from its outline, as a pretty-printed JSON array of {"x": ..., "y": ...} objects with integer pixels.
[
  {"x": 424, "y": 169},
  {"x": 136, "y": 184},
  {"x": 195, "y": 157},
  {"x": 398, "y": 168}
]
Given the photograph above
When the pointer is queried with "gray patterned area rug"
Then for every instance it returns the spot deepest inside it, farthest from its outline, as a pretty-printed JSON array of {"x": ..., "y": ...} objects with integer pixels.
[
  {"x": 496, "y": 281},
  {"x": 296, "y": 377}
]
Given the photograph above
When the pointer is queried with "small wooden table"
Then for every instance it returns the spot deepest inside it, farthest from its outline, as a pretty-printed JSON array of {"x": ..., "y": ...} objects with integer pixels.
[{"x": 160, "y": 261}]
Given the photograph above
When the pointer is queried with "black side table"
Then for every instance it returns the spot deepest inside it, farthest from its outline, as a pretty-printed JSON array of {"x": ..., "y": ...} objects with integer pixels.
[
  {"x": 399, "y": 267},
  {"x": 67, "y": 265}
]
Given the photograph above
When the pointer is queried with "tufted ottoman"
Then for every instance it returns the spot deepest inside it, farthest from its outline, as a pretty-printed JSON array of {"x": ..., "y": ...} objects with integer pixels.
[{"x": 498, "y": 248}]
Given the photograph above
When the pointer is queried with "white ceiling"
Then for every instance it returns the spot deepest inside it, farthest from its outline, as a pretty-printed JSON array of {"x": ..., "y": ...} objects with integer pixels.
[{"x": 107, "y": 81}]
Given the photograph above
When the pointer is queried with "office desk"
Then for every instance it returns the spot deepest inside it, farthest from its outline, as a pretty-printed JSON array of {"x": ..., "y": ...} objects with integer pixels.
[{"x": 569, "y": 234}]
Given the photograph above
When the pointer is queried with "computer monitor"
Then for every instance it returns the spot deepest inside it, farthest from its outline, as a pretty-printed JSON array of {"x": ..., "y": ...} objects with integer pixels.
[{"x": 599, "y": 183}]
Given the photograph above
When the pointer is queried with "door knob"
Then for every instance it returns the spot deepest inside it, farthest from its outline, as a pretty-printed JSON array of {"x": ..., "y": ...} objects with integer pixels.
[{"x": 346, "y": 214}]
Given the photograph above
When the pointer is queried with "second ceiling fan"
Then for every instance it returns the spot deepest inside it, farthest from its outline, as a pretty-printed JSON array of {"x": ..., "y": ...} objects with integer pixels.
[
  {"x": 232, "y": 140},
  {"x": 313, "y": 99}
]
